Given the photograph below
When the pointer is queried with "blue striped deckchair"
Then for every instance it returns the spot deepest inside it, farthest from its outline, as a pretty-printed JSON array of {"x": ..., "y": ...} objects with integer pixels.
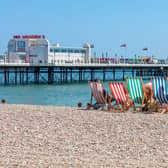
[
  {"x": 160, "y": 91},
  {"x": 99, "y": 94},
  {"x": 136, "y": 91}
]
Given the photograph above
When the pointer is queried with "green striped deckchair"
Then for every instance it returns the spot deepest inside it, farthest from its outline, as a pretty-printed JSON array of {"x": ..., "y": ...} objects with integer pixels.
[{"x": 135, "y": 86}]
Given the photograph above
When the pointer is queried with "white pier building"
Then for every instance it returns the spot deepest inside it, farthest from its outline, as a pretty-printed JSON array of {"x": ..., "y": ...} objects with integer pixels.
[{"x": 36, "y": 49}]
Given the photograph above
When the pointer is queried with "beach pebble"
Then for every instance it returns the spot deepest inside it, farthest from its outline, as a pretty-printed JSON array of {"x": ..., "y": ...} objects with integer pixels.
[{"x": 47, "y": 136}]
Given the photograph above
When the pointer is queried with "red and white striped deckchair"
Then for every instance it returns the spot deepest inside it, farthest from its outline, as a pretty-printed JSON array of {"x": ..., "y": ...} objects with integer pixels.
[
  {"x": 99, "y": 93},
  {"x": 119, "y": 94}
]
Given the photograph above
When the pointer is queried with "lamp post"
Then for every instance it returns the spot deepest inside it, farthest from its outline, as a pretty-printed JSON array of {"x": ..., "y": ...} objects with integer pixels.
[
  {"x": 107, "y": 61},
  {"x": 124, "y": 46},
  {"x": 135, "y": 58},
  {"x": 94, "y": 55},
  {"x": 115, "y": 58}
]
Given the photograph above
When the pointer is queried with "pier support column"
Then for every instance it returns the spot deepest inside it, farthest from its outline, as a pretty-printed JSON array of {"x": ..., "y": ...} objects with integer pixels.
[
  {"x": 114, "y": 74},
  {"x": 60, "y": 75},
  {"x": 23, "y": 76},
  {"x": 50, "y": 75},
  {"x": 123, "y": 74},
  {"x": 71, "y": 75},
  {"x": 5, "y": 76},
  {"x": 104, "y": 74},
  {"x": 133, "y": 73},
  {"x": 36, "y": 75},
  {"x": 8, "y": 74},
  {"x": 15, "y": 76},
  {"x": 83, "y": 75},
  {"x": 63, "y": 73},
  {"x": 141, "y": 73},
  {"x": 27, "y": 74},
  {"x": 80, "y": 75},
  {"x": 20, "y": 76},
  {"x": 66, "y": 74},
  {"x": 92, "y": 75}
]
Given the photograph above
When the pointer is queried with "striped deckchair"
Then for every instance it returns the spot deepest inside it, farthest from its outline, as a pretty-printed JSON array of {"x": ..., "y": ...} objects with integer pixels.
[
  {"x": 99, "y": 93},
  {"x": 160, "y": 90},
  {"x": 136, "y": 91},
  {"x": 119, "y": 94}
]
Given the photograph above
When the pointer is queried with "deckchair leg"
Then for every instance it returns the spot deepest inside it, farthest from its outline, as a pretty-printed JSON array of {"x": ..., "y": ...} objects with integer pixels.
[
  {"x": 109, "y": 103},
  {"x": 91, "y": 99}
]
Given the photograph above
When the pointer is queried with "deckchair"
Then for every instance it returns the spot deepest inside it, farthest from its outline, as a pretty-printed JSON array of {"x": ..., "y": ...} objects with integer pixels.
[
  {"x": 136, "y": 91},
  {"x": 100, "y": 95},
  {"x": 119, "y": 93},
  {"x": 160, "y": 91}
]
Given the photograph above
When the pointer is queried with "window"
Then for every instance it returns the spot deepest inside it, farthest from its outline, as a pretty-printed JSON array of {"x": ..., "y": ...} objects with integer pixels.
[
  {"x": 51, "y": 50},
  {"x": 21, "y": 46}
]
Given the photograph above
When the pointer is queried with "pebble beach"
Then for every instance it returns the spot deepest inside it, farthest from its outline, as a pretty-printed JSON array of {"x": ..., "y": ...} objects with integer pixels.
[{"x": 48, "y": 136}]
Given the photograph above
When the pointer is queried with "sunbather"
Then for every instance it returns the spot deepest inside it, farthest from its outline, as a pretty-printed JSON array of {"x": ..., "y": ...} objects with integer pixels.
[{"x": 148, "y": 89}]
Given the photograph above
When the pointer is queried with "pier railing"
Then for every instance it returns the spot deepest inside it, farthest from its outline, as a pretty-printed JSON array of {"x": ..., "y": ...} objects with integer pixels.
[{"x": 86, "y": 64}]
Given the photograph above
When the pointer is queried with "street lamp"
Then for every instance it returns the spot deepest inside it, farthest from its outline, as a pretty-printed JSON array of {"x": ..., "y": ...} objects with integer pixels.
[
  {"x": 124, "y": 46},
  {"x": 115, "y": 58}
]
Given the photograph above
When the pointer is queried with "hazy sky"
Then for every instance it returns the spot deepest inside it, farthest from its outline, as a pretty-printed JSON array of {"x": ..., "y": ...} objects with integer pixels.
[{"x": 106, "y": 23}]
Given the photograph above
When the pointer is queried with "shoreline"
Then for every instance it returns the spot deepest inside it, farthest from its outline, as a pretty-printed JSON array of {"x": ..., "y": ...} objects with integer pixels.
[{"x": 50, "y": 136}]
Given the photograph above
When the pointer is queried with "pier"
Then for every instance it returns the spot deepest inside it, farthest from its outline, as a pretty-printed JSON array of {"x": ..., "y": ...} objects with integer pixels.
[{"x": 24, "y": 73}]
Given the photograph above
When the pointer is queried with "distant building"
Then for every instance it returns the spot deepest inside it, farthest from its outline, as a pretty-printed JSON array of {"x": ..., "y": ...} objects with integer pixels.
[
  {"x": 36, "y": 49},
  {"x": 59, "y": 55},
  {"x": 28, "y": 49}
]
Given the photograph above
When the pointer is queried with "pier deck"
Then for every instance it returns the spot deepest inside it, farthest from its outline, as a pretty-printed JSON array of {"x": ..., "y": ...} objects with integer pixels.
[{"x": 11, "y": 73}]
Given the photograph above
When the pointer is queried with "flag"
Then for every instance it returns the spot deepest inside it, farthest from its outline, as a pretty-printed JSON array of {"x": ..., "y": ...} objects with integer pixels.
[
  {"x": 145, "y": 49},
  {"x": 123, "y": 45}
]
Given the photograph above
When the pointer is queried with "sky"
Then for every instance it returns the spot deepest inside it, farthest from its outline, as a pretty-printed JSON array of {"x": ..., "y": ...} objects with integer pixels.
[{"x": 105, "y": 23}]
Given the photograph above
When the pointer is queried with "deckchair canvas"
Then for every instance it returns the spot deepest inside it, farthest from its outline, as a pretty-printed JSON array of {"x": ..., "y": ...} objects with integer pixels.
[
  {"x": 119, "y": 94},
  {"x": 160, "y": 91},
  {"x": 97, "y": 91},
  {"x": 135, "y": 86}
]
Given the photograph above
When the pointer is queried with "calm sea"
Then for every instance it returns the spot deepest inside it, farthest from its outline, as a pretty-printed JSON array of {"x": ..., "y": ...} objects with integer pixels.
[{"x": 57, "y": 95}]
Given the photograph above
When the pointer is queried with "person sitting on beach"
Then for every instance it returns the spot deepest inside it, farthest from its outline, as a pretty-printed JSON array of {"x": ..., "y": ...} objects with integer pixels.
[
  {"x": 105, "y": 94},
  {"x": 148, "y": 91},
  {"x": 3, "y": 101}
]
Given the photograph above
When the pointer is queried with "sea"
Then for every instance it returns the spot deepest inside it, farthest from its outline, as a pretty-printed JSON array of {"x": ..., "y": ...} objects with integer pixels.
[
  {"x": 68, "y": 94},
  {"x": 55, "y": 95}
]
